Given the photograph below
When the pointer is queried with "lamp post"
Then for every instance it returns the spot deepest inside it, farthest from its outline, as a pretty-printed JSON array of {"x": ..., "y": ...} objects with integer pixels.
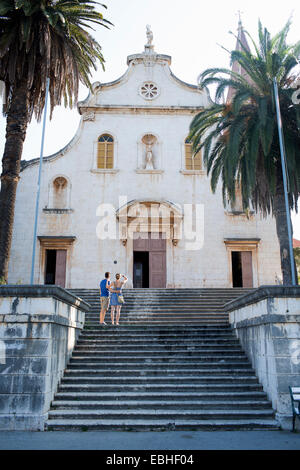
[
  {"x": 39, "y": 184},
  {"x": 284, "y": 175}
]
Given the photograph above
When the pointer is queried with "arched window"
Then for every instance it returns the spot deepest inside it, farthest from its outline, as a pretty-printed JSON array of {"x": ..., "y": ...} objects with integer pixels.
[
  {"x": 192, "y": 162},
  {"x": 60, "y": 193},
  {"x": 105, "y": 153}
]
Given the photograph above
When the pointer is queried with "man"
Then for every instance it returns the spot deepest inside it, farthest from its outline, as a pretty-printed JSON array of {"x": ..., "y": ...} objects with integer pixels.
[{"x": 104, "y": 297}]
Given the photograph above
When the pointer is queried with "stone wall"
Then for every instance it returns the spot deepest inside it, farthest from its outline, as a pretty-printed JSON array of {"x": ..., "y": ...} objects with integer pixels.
[
  {"x": 267, "y": 323},
  {"x": 39, "y": 326}
]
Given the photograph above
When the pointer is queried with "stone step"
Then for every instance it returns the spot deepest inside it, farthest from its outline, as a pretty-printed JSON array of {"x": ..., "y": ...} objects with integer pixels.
[
  {"x": 153, "y": 414},
  {"x": 197, "y": 317},
  {"x": 164, "y": 404},
  {"x": 171, "y": 289},
  {"x": 170, "y": 322},
  {"x": 165, "y": 305},
  {"x": 157, "y": 379},
  {"x": 205, "y": 361},
  {"x": 101, "y": 337},
  {"x": 166, "y": 293},
  {"x": 170, "y": 365},
  {"x": 224, "y": 395},
  {"x": 182, "y": 327},
  {"x": 155, "y": 341},
  {"x": 208, "y": 342},
  {"x": 99, "y": 344},
  {"x": 157, "y": 330},
  {"x": 111, "y": 335},
  {"x": 169, "y": 306},
  {"x": 103, "y": 372},
  {"x": 155, "y": 351},
  {"x": 183, "y": 387},
  {"x": 164, "y": 314},
  {"x": 160, "y": 425}
]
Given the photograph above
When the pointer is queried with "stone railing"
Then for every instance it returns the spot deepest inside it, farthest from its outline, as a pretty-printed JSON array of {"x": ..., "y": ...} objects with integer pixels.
[
  {"x": 39, "y": 326},
  {"x": 267, "y": 323}
]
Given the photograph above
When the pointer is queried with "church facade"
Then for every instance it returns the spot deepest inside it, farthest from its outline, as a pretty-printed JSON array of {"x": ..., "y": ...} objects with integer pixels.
[{"x": 127, "y": 195}]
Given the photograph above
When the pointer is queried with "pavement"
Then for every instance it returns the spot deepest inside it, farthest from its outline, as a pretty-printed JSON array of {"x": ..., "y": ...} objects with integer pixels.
[{"x": 173, "y": 440}]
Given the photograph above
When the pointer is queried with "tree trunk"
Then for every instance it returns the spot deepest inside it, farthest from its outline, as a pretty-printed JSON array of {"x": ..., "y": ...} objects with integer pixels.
[
  {"x": 282, "y": 231},
  {"x": 16, "y": 125}
]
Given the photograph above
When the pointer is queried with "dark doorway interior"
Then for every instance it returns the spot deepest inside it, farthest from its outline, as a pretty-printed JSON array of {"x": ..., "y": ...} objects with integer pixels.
[
  {"x": 140, "y": 269},
  {"x": 50, "y": 266},
  {"x": 237, "y": 272}
]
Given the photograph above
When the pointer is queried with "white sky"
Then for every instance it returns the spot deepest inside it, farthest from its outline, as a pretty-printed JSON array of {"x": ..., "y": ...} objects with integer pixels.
[{"x": 187, "y": 30}]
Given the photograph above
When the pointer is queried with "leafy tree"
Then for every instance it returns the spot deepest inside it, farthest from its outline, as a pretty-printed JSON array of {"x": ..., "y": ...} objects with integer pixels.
[
  {"x": 39, "y": 39},
  {"x": 239, "y": 137}
]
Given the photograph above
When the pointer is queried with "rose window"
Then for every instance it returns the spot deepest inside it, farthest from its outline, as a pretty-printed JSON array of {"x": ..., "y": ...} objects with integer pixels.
[{"x": 149, "y": 90}]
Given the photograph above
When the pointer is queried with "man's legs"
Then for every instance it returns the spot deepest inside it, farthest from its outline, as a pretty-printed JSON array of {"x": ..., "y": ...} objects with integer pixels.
[
  {"x": 104, "y": 307},
  {"x": 101, "y": 310},
  {"x": 102, "y": 316}
]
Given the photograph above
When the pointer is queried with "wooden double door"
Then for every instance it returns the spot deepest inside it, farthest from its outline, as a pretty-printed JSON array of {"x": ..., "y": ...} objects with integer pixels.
[{"x": 149, "y": 261}]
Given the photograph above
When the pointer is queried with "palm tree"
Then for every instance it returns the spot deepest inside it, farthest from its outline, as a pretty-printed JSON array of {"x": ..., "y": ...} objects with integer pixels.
[
  {"x": 39, "y": 39},
  {"x": 239, "y": 137}
]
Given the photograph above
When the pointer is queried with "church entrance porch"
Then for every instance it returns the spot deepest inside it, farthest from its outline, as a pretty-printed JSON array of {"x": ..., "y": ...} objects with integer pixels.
[{"x": 149, "y": 230}]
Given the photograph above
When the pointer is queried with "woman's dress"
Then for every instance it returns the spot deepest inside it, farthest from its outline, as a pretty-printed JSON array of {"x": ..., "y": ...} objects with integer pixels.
[{"x": 114, "y": 296}]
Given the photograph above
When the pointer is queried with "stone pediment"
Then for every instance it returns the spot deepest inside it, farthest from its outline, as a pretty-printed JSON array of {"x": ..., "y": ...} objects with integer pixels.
[{"x": 149, "y": 84}]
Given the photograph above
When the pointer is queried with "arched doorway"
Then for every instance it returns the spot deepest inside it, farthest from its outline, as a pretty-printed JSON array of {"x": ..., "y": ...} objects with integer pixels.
[{"x": 149, "y": 230}]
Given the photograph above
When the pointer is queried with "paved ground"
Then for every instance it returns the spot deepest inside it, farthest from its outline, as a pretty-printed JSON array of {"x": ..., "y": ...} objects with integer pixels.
[{"x": 195, "y": 440}]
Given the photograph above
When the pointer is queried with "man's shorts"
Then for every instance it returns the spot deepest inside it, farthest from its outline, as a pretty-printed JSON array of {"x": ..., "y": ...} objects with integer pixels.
[{"x": 104, "y": 303}]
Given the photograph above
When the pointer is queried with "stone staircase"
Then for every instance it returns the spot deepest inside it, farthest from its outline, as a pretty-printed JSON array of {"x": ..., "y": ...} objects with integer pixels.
[{"x": 173, "y": 364}]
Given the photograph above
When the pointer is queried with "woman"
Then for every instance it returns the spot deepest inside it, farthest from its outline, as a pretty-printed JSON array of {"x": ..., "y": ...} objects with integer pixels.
[{"x": 115, "y": 289}]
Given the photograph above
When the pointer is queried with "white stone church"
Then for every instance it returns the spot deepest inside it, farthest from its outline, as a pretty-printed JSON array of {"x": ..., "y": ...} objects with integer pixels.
[{"x": 126, "y": 195}]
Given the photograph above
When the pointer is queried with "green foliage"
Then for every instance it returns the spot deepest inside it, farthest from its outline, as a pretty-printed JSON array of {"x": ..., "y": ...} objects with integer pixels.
[
  {"x": 43, "y": 39},
  {"x": 297, "y": 260},
  {"x": 2, "y": 281},
  {"x": 239, "y": 138}
]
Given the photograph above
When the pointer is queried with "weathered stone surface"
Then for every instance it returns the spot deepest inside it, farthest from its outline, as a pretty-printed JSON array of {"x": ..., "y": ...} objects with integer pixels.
[
  {"x": 35, "y": 348},
  {"x": 267, "y": 322},
  {"x": 25, "y": 365}
]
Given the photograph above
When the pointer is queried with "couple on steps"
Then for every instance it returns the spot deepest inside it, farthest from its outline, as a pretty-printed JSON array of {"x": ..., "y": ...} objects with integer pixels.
[{"x": 115, "y": 299}]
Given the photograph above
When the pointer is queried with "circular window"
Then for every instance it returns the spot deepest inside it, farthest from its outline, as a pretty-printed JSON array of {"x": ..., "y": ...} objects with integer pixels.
[{"x": 149, "y": 90}]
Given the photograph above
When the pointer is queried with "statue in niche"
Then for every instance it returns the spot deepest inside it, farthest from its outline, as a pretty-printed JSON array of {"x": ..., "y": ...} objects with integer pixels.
[{"x": 149, "y": 140}]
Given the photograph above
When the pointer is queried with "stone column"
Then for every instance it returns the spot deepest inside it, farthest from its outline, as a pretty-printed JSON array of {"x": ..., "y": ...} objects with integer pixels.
[{"x": 39, "y": 326}]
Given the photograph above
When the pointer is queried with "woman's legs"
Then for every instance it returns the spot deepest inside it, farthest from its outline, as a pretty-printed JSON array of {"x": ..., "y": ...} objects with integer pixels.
[
  {"x": 118, "y": 314},
  {"x": 112, "y": 314}
]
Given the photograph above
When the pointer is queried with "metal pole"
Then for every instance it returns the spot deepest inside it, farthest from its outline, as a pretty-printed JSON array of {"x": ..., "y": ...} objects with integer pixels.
[
  {"x": 285, "y": 185},
  {"x": 39, "y": 184}
]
